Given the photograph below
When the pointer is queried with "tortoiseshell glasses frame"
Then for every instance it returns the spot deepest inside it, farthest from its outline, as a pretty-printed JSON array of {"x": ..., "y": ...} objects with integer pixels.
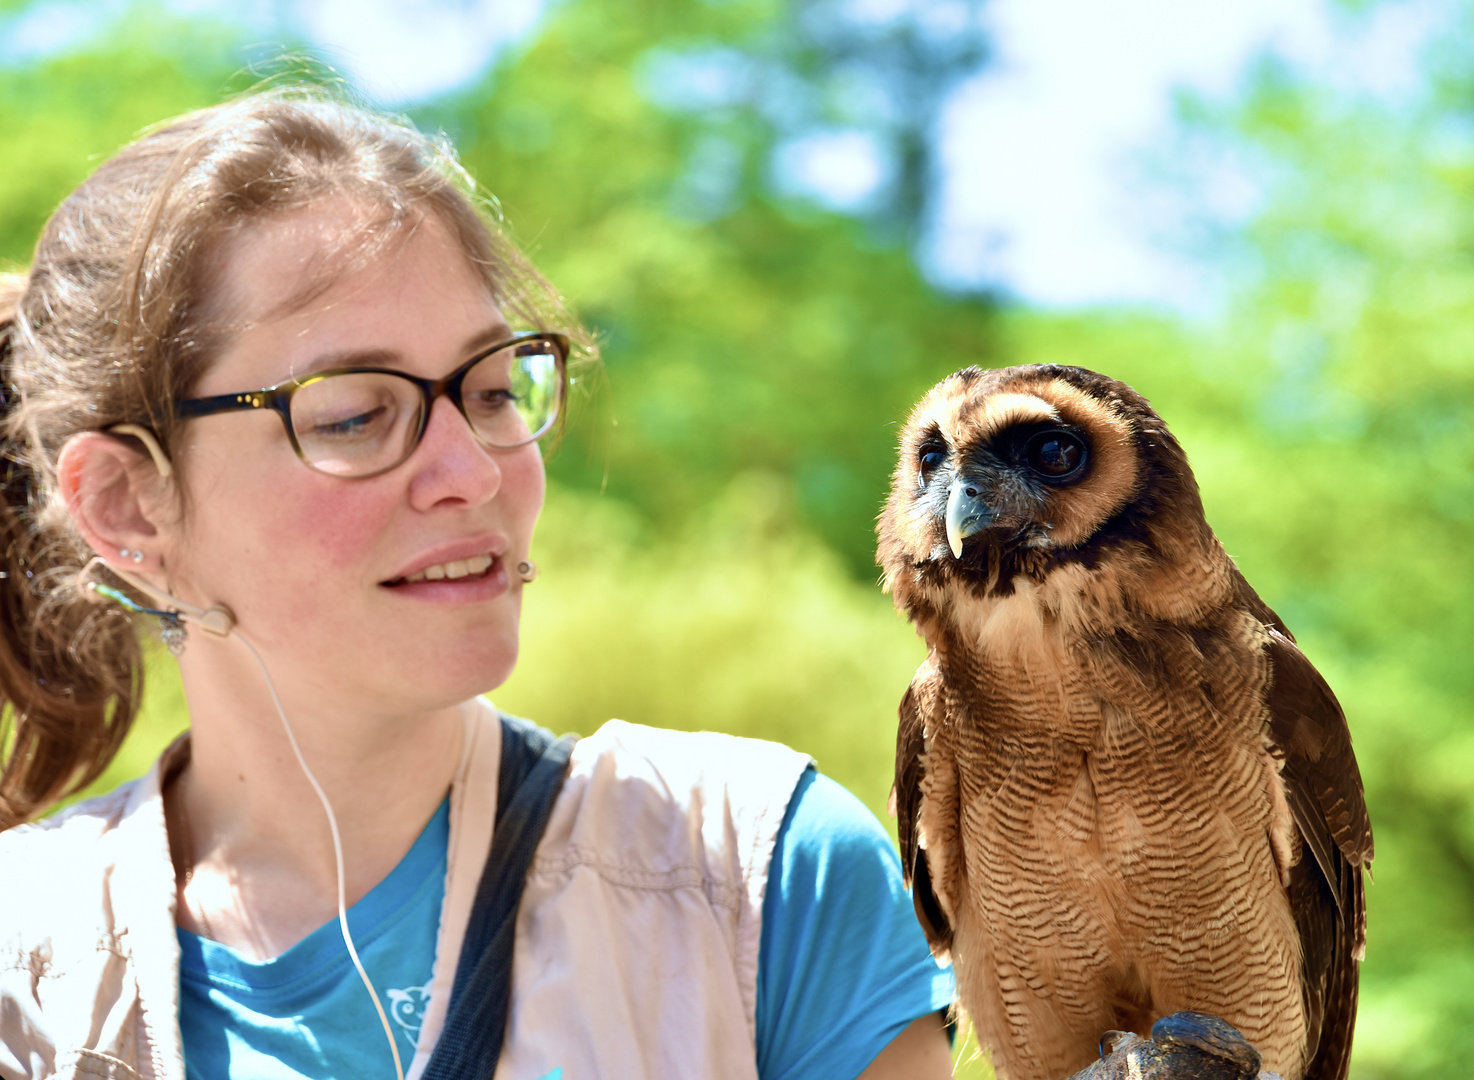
[{"x": 362, "y": 421}]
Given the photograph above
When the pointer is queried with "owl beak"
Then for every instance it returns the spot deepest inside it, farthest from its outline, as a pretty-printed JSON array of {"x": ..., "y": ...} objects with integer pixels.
[{"x": 967, "y": 514}]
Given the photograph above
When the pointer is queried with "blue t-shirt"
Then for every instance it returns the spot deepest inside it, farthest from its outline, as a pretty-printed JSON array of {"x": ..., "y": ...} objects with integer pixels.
[
  {"x": 842, "y": 965},
  {"x": 306, "y": 1012}
]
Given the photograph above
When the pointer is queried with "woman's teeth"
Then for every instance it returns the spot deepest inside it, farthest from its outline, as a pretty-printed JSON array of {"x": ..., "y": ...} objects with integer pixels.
[{"x": 459, "y": 568}]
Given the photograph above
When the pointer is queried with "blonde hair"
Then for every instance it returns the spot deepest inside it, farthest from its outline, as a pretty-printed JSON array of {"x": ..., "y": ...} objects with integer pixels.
[{"x": 115, "y": 321}]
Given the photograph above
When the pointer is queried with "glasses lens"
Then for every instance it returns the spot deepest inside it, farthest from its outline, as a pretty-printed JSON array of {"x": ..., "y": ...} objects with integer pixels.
[
  {"x": 355, "y": 423},
  {"x": 512, "y": 395}
]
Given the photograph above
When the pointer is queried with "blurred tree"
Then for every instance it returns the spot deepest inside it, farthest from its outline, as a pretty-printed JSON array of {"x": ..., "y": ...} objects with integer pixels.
[
  {"x": 847, "y": 95},
  {"x": 65, "y": 114},
  {"x": 1341, "y": 471},
  {"x": 741, "y": 328},
  {"x": 762, "y": 347}
]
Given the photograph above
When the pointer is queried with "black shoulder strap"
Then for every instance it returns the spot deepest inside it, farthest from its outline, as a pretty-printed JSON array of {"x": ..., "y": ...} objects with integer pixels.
[{"x": 532, "y": 769}]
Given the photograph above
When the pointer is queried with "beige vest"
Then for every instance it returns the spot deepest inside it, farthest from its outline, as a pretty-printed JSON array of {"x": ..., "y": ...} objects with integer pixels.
[{"x": 637, "y": 939}]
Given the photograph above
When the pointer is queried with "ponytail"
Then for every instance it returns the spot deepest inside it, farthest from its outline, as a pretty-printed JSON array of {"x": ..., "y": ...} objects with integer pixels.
[{"x": 71, "y": 671}]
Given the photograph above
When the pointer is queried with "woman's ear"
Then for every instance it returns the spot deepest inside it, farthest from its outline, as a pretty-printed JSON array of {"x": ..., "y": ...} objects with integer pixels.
[{"x": 116, "y": 498}]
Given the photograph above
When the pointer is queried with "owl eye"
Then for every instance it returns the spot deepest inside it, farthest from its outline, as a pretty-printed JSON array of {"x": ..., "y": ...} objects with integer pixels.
[
  {"x": 1057, "y": 456},
  {"x": 930, "y": 457}
]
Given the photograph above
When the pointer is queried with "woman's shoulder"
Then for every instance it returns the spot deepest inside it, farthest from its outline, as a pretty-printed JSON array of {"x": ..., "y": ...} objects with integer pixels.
[
  {"x": 675, "y": 759},
  {"x": 689, "y": 772},
  {"x": 655, "y": 800},
  {"x": 77, "y": 828},
  {"x": 87, "y": 891},
  {"x": 52, "y": 864}
]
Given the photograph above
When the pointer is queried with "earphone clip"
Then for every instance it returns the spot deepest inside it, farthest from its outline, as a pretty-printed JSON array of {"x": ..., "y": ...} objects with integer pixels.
[
  {"x": 217, "y": 620},
  {"x": 172, "y": 631}
]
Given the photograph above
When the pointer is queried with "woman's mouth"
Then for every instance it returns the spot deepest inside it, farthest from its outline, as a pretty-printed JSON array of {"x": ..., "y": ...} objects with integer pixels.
[
  {"x": 474, "y": 567},
  {"x": 472, "y": 579}
]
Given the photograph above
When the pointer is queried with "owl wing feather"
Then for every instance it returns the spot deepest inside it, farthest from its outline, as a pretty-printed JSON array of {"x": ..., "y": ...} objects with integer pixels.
[
  {"x": 1327, "y": 894},
  {"x": 919, "y": 712}
]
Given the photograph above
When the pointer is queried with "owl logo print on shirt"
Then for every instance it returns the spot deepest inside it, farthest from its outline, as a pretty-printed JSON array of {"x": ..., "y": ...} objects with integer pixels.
[{"x": 408, "y": 1006}]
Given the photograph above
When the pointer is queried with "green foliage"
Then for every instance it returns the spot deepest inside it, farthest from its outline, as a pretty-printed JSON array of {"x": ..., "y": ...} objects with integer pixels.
[
  {"x": 737, "y": 622},
  {"x": 1351, "y": 502},
  {"x": 771, "y": 336},
  {"x": 760, "y": 355},
  {"x": 163, "y": 717},
  {"x": 66, "y": 115}
]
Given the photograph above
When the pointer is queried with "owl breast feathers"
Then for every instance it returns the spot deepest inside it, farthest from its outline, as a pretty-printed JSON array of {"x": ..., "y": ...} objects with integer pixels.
[{"x": 1121, "y": 789}]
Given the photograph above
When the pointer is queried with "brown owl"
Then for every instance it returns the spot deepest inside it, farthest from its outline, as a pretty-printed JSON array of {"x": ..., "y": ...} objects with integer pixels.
[{"x": 1121, "y": 789}]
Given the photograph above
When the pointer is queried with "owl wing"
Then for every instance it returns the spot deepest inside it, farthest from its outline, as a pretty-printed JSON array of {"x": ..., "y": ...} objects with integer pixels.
[
  {"x": 1327, "y": 893},
  {"x": 920, "y": 711}
]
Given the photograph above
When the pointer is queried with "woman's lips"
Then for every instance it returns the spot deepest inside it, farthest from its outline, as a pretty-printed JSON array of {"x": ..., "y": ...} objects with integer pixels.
[
  {"x": 449, "y": 560},
  {"x": 453, "y": 570},
  {"x": 457, "y": 580}
]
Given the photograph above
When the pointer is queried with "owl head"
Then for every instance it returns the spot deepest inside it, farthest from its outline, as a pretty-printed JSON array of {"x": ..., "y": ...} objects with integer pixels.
[{"x": 1019, "y": 472}]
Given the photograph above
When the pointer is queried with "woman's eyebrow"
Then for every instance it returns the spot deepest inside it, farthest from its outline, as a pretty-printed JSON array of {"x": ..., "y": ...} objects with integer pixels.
[
  {"x": 494, "y": 333},
  {"x": 346, "y": 358}
]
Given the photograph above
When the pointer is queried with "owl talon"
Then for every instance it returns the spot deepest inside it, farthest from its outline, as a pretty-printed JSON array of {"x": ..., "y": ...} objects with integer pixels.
[
  {"x": 1109, "y": 1037},
  {"x": 1183, "y": 1046}
]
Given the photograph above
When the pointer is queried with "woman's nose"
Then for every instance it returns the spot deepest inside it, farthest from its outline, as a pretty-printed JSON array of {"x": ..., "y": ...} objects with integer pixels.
[{"x": 450, "y": 465}]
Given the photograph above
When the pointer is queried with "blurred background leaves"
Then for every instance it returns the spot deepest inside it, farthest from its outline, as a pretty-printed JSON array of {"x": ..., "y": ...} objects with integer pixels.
[{"x": 707, "y": 544}]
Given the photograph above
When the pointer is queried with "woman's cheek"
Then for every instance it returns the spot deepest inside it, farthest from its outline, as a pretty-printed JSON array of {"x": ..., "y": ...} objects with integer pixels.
[
  {"x": 320, "y": 522},
  {"x": 343, "y": 531}
]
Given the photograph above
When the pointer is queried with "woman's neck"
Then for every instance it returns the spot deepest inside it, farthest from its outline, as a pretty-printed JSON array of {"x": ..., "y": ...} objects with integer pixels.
[{"x": 249, "y": 833}]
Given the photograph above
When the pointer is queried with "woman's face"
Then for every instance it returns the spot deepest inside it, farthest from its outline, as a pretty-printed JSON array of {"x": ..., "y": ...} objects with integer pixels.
[{"x": 314, "y": 566}]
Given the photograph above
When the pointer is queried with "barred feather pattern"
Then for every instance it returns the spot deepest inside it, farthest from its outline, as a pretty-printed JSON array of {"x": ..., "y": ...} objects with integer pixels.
[
  {"x": 1121, "y": 790},
  {"x": 1083, "y": 794}
]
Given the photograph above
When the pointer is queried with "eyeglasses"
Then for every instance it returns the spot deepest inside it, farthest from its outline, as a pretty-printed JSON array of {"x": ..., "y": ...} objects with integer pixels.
[{"x": 362, "y": 421}]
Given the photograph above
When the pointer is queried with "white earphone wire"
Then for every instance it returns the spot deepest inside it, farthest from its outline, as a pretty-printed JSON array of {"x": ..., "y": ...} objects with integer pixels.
[
  {"x": 322, "y": 797},
  {"x": 220, "y": 622}
]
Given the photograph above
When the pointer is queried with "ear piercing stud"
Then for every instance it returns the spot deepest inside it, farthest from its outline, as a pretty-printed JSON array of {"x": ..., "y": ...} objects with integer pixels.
[
  {"x": 527, "y": 570},
  {"x": 136, "y": 556}
]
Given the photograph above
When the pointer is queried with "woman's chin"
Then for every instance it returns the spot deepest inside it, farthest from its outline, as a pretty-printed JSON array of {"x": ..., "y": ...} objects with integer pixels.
[
  {"x": 417, "y": 679},
  {"x": 480, "y": 672}
]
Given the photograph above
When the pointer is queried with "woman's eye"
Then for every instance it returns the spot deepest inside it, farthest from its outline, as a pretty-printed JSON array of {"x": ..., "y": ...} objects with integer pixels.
[
  {"x": 1056, "y": 455},
  {"x": 489, "y": 401},
  {"x": 931, "y": 457},
  {"x": 351, "y": 427}
]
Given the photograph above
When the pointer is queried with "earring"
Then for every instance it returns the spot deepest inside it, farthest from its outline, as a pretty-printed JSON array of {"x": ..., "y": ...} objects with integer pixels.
[
  {"x": 136, "y": 556},
  {"x": 172, "y": 632},
  {"x": 527, "y": 571}
]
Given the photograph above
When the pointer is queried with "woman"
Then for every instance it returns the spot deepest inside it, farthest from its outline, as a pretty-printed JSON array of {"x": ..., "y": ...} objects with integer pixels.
[{"x": 699, "y": 905}]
